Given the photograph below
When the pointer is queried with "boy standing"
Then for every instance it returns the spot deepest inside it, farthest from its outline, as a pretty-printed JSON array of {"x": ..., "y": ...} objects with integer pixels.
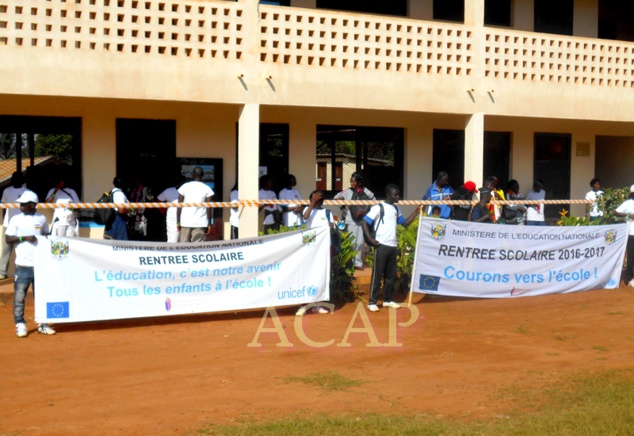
[
  {"x": 384, "y": 218},
  {"x": 22, "y": 232}
]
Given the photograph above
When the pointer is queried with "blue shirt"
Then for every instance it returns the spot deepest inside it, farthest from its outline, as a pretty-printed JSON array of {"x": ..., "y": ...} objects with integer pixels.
[{"x": 433, "y": 193}]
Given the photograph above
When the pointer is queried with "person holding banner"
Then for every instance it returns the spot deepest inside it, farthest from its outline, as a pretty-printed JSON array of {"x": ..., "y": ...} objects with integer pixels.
[
  {"x": 626, "y": 210},
  {"x": 23, "y": 231},
  {"x": 384, "y": 218},
  {"x": 316, "y": 216},
  {"x": 357, "y": 189}
]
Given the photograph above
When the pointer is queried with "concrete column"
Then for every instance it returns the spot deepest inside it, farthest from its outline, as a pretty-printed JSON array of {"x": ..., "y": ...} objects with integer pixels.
[
  {"x": 99, "y": 154},
  {"x": 585, "y": 21},
  {"x": 523, "y": 15},
  {"x": 522, "y": 152},
  {"x": 474, "y": 148},
  {"x": 302, "y": 161},
  {"x": 419, "y": 148},
  {"x": 248, "y": 162},
  {"x": 308, "y": 4},
  {"x": 582, "y": 168},
  {"x": 474, "y": 13},
  {"x": 420, "y": 9}
]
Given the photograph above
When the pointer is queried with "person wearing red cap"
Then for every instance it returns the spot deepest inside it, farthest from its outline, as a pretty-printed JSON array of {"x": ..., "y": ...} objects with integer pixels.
[{"x": 460, "y": 212}]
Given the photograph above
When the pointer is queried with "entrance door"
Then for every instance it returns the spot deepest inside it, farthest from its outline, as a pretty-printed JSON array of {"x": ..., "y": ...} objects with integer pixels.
[
  {"x": 552, "y": 165},
  {"x": 146, "y": 154},
  {"x": 146, "y": 150}
]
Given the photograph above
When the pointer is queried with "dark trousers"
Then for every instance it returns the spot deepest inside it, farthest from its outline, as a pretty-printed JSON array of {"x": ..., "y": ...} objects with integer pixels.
[
  {"x": 384, "y": 268},
  {"x": 630, "y": 259}
]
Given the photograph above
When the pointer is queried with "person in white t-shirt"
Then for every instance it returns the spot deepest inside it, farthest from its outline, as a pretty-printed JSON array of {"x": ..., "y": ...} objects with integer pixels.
[
  {"x": 384, "y": 218},
  {"x": 23, "y": 231},
  {"x": 65, "y": 221},
  {"x": 593, "y": 211},
  {"x": 316, "y": 216},
  {"x": 292, "y": 213},
  {"x": 234, "y": 218},
  {"x": 535, "y": 212},
  {"x": 170, "y": 195},
  {"x": 194, "y": 222},
  {"x": 10, "y": 195},
  {"x": 626, "y": 210},
  {"x": 271, "y": 211}
]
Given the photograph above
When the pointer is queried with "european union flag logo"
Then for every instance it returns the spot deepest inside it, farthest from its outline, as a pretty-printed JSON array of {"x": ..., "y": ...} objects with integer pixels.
[
  {"x": 428, "y": 283},
  {"x": 57, "y": 310}
]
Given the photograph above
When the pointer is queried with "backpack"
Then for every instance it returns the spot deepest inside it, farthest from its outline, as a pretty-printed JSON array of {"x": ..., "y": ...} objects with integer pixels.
[
  {"x": 357, "y": 212},
  {"x": 104, "y": 216},
  {"x": 508, "y": 214},
  {"x": 372, "y": 229}
]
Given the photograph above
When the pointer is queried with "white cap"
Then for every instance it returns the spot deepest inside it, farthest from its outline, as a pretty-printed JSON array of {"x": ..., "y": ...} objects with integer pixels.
[
  {"x": 27, "y": 197},
  {"x": 632, "y": 188}
]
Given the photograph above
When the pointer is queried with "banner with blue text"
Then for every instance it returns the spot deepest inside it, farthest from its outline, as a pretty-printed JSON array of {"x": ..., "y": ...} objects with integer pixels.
[
  {"x": 467, "y": 259},
  {"x": 87, "y": 280}
]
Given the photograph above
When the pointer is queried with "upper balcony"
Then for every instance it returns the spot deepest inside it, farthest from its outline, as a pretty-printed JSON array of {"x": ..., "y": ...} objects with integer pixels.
[{"x": 234, "y": 53}]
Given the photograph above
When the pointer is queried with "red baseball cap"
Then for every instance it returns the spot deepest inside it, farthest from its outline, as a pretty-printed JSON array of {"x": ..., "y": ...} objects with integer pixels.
[{"x": 470, "y": 186}]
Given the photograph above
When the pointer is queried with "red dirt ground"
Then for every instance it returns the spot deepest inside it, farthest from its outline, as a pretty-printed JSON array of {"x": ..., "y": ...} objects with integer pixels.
[{"x": 172, "y": 375}]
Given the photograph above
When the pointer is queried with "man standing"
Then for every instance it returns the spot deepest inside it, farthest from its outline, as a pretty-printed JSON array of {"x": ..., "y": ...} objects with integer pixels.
[
  {"x": 22, "y": 231},
  {"x": 355, "y": 226},
  {"x": 466, "y": 192},
  {"x": 535, "y": 212},
  {"x": 481, "y": 212},
  {"x": 594, "y": 195},
  {"x": 170, "y": 195},
  {"x": 292, "y": 213},
  {"x": 384, "y": 218},
  {"x": 626, "y": 210},
  {"x": 117, "y": 229},
  {"x": 10, "y": 195},
  {"x": 194, "y": 223},
  {"x": 440, "y": 190}
]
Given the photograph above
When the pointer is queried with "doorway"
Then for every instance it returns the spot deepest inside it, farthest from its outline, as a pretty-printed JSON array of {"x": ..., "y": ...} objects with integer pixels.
[
  {"x": 376, "y": 152},
  {"x": 552, "y": 166}
]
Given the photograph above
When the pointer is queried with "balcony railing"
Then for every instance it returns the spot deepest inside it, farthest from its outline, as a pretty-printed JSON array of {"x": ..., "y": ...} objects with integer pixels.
[{"x": 218, "y": 31}]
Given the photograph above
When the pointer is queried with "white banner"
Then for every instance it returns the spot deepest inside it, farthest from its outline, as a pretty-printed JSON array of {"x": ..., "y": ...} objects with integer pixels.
[
  {"x": 81, "y": 279},
  {"x": 467, "y": 259}
]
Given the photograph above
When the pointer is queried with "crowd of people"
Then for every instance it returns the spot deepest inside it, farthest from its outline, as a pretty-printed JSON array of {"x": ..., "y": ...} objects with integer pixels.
[{"x": 371, "y": 227}]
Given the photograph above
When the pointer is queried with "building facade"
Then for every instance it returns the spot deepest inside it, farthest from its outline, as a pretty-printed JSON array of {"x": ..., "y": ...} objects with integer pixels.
[{"x": 520, "y": 89}]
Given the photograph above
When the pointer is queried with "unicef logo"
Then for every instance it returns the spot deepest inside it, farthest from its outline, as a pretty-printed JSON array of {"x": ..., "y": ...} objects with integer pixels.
[
  {"x": 612, "y": 283},
  {"x": 312, "y": 291}
]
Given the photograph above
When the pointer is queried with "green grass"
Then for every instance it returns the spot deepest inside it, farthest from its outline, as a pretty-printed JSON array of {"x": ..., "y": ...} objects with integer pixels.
[
  {"x": 597, "y": 405},
  {"x": 326, "y": 380}
]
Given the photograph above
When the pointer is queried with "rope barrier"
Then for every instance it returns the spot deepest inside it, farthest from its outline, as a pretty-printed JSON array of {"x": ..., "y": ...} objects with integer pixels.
[{"x": 257, "y": 203}]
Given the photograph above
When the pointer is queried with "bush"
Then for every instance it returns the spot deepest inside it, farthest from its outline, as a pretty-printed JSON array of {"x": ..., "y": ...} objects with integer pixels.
[{"x": 341, "y": 266}]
